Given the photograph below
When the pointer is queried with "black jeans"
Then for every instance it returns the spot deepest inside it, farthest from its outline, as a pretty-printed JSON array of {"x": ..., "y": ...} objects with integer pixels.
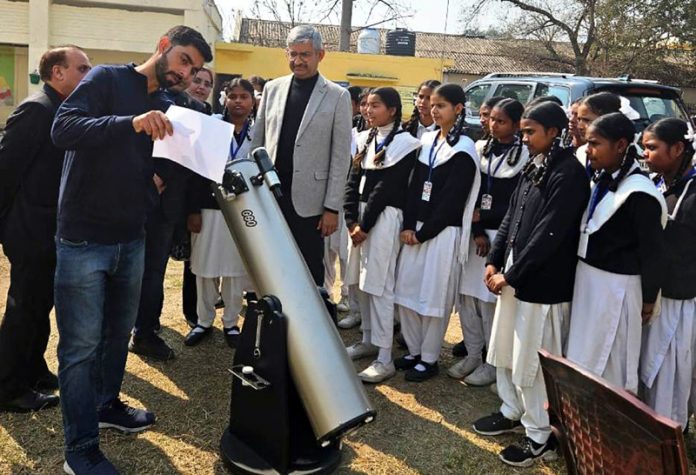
[
  {"x": 307, "y": 237},
  {"x": 159, "y": 234},
  {"x": 25, "y": 327}
]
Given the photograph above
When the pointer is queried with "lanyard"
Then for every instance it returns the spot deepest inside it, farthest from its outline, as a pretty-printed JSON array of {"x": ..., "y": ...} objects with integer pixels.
[
  {"x": 242, "y": 136},
  {"x": 661, "y": 184},
  {"x": 489, "y": 181},
  {"x": 433, "y": 155},
  {"x": 380, "y": 146},
  {"x": 598, "y": 193}
]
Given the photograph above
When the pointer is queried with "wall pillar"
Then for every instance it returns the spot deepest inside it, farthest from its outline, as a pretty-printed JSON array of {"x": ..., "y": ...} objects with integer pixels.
[{"x": 39, "y": 30}]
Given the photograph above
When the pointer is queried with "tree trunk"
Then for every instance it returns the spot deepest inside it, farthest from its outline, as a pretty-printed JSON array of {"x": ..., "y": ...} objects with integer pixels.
[{"x": 346, "y": 21}]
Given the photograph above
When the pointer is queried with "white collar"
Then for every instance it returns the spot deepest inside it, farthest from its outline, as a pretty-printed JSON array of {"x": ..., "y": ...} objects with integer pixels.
[{"x": 401, "y": 145}]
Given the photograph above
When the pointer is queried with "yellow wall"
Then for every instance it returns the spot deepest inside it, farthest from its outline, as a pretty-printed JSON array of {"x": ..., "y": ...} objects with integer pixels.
[{"x": 402, "y": 72}]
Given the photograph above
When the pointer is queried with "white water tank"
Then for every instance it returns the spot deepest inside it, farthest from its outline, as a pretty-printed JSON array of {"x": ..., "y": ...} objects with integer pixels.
[{"x": 369, "y": 41}]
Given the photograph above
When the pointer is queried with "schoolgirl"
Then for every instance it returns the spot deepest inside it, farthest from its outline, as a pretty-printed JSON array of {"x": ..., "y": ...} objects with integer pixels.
[
  {"x": 531, "y": 266},
  {"x": 621, "y": 247},
  {"x": 214, "y": 255},
  {"x": 337, "y": 244},
  {"x": 375, "y": 196},
  {"x": 667, "y": 354},
  {"x": 421, "y": 120},
  {"x": 502, "y": 160},
  {"x": 437, "y": 220},
  {"x": 589, "y": 109}
]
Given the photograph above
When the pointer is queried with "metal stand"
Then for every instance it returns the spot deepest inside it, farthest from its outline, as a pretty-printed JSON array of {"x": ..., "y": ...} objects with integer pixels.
[{"x": 269, "y": 432}]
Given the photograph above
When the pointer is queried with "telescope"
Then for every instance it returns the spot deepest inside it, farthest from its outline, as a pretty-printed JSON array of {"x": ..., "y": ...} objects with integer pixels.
[{"x": 295, "y": 392}]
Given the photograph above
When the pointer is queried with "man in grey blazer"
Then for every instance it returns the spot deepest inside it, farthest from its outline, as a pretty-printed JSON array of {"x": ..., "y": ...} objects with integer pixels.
[{"x": 304, "y": 121}]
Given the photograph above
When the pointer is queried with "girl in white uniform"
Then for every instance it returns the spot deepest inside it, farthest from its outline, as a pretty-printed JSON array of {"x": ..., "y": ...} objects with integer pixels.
[
  {"x": 421, "y": 121},
  {"x": 589, "y": 109},
  {"x": 375, "y": 196},
  {"x": 213, "y": 252},
  {"x": 621, "y": 249},
  {"x": 437, "y": 220},
  {"x": 531, "y": 266},
  {"x": 667, "y": 356},
  {"x": 502, "y": 160}
]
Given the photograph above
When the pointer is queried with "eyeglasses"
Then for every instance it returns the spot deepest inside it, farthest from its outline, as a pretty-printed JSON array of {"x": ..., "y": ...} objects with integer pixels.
[
  {"x": 304, "y": 55},
  {"x": 199, "y": 81}
]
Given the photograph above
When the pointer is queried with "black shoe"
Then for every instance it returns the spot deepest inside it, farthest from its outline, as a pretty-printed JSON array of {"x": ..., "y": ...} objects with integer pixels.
[
  {"x": 404, "y": 363},
  {"x": 417, "y": 376},
  {"x": 524, "y": 453},
  {"x": 495, "y": 424},
  {"x": 28, "y": 401},
  {"x": 153, "y": 347},
  {"x": 401, "y": 341},
  {"x": 46, "y": 383},
  {"x": 459, "y": 350},
  {"x": 231, "y": 336},
  {"x": 197, "y": 335},
  {"x": 89, "y": 460},
  {"x": 124, "y": 418},
  {"x": 220, "y": 303}
]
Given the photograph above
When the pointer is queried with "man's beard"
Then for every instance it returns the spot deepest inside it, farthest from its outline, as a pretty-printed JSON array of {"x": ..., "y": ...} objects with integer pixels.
[{"x": 161, "y": 70}]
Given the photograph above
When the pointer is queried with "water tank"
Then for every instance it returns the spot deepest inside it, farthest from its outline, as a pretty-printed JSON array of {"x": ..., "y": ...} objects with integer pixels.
[
  {"x": 369, "y": 41},
  {"x": 401, "y": 42}
]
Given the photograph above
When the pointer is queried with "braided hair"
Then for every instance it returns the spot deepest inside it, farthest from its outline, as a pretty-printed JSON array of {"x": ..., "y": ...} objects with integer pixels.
[
  {"x": 454, "y": 94},
  {"x": 549, "y": 115},
  {"x": 411, "y": 126},
  {"x": 615, "y": 127},
  {"x": 672, "y": 131},
  {"x": 514, "y": 110},
  {"x": 391, "y": 99}
]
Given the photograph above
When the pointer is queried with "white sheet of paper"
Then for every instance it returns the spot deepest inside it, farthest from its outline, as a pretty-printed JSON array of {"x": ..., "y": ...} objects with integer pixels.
[{"x": 200, "y": 142}]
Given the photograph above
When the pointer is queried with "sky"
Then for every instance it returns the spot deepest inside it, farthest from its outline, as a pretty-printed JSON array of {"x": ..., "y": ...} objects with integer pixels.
[{"x": 429, "y": 15}]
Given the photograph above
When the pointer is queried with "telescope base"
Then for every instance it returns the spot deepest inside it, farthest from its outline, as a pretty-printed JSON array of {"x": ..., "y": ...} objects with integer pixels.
[{"x": 240, "y": 459}]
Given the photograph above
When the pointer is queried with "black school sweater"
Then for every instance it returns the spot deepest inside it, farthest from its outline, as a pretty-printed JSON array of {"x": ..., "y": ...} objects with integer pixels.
[
  {"x": 631, "y": 243},
  {"x": 500, "y": 188},
  {"x": 679, "y": 274},
  {"x": 451, "y": 184},
  {"x": 542, "y": 228},
  {"x": 383, "y": 187}
]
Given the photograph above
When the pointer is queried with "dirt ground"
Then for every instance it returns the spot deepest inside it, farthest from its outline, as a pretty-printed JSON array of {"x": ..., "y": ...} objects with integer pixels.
[{"x": 420, "y": 428}]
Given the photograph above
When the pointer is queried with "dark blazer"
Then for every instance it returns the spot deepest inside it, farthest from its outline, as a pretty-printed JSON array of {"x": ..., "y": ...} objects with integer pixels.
[{"x": 30, "y": 170}]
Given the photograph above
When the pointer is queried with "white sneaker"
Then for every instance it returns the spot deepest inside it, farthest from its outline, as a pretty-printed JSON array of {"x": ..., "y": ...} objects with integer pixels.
[
  {"x": 484, "y": 375},
  {"x": 464, "y": 367},
  {"x": 377, "y": 372},
  {"x": 351, "y": 321},
  {"x": 343, "y": 305},
  {"x": 361, "y": 350}
]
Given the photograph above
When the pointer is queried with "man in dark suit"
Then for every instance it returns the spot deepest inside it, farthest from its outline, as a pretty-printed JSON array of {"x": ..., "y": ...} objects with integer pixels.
[{"x": 30, "y": 169}]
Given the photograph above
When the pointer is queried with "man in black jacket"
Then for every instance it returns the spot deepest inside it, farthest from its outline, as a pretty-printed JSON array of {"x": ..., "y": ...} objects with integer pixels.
[{"x": 30, "y": 168}]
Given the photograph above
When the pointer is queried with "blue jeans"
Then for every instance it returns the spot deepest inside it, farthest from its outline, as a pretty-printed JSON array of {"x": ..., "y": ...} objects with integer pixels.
[{"x": 97, "y": 289}]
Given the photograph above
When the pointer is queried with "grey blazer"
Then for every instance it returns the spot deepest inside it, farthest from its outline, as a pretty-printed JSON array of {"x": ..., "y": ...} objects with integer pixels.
[{"x": 322, "y": 147}]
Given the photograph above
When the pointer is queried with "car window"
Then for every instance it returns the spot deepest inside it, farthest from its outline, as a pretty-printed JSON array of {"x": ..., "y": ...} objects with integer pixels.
[
  {"x": 645, "y": 110},
  {"x": 475, "y": 96},
  {"x": 520, "y": 92},
  {"x": 561, "y": 92}
]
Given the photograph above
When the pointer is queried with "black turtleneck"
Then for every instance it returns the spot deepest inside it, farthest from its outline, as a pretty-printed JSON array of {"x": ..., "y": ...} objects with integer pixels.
[{"x": 298, "y": 98}]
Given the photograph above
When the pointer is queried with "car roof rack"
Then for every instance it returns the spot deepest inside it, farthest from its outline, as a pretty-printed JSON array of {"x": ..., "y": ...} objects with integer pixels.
[
  {"x": 630, "y": 78},
  {"x": 527, "y": 73}
]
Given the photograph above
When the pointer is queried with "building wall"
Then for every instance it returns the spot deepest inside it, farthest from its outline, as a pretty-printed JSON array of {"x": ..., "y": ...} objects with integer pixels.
[{"x": 403, "y": 73}]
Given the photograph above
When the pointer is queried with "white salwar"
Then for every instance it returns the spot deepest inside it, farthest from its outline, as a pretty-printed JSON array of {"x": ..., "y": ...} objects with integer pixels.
[
  {"x": 215, "y": 258},
  {"x": 372, "y": 264},
  {"x": 605, "y": 324},
  {"x": 667, "y": 359},
  {"x": 520, "y": 329},
  {"x": 428, "y": 273}
]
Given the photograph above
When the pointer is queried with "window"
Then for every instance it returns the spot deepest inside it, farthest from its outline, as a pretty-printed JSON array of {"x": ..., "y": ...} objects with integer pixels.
[
  {"x": 561, "y": 92},
  {"x": 520, "y": 92},
  {"x": 475, "y": 96}
]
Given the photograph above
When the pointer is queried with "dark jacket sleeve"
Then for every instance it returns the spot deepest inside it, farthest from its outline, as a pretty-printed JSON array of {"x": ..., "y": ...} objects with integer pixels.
[
  {"x": 25, "y": 132},
  {"x": 80, "y": 122},
  {"x": 393, "y": 182},
  {"x": 456, "y": 190},
  {"x": 351, "y": 198},
  {"x": 567, "y": 198},
  {"x": 645, "y": 215},
  {"x": 496, "y": 256}
]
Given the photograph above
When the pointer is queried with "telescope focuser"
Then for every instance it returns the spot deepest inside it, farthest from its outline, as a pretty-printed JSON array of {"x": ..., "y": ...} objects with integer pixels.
[{"x": 233, "y": 184}]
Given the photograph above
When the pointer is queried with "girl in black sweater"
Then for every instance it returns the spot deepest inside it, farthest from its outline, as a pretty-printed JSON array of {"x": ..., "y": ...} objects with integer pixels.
[
  {"x": 621, "y": 247},
  {"x": 437, "y": 219},
  {"x": 666, "y": 361},
  {"x": 531, "y": 266},
  {"x": 375, "y": 196},
  {"x": 421, "y": 120}
]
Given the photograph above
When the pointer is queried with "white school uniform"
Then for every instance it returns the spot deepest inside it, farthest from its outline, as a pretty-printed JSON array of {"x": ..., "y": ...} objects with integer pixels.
[
  {"x": 605, "y": 324},
  {"x": 428, "y": 273},
  {"x": 668, "y": 358},
  {"x": 423, "y": 129},
  {"x": 214, "y": 255},
  {"x": 372, "y": 264}
]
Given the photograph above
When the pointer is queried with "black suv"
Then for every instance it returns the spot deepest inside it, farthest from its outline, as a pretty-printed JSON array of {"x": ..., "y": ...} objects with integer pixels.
[{"x": 648, "y": 100}]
